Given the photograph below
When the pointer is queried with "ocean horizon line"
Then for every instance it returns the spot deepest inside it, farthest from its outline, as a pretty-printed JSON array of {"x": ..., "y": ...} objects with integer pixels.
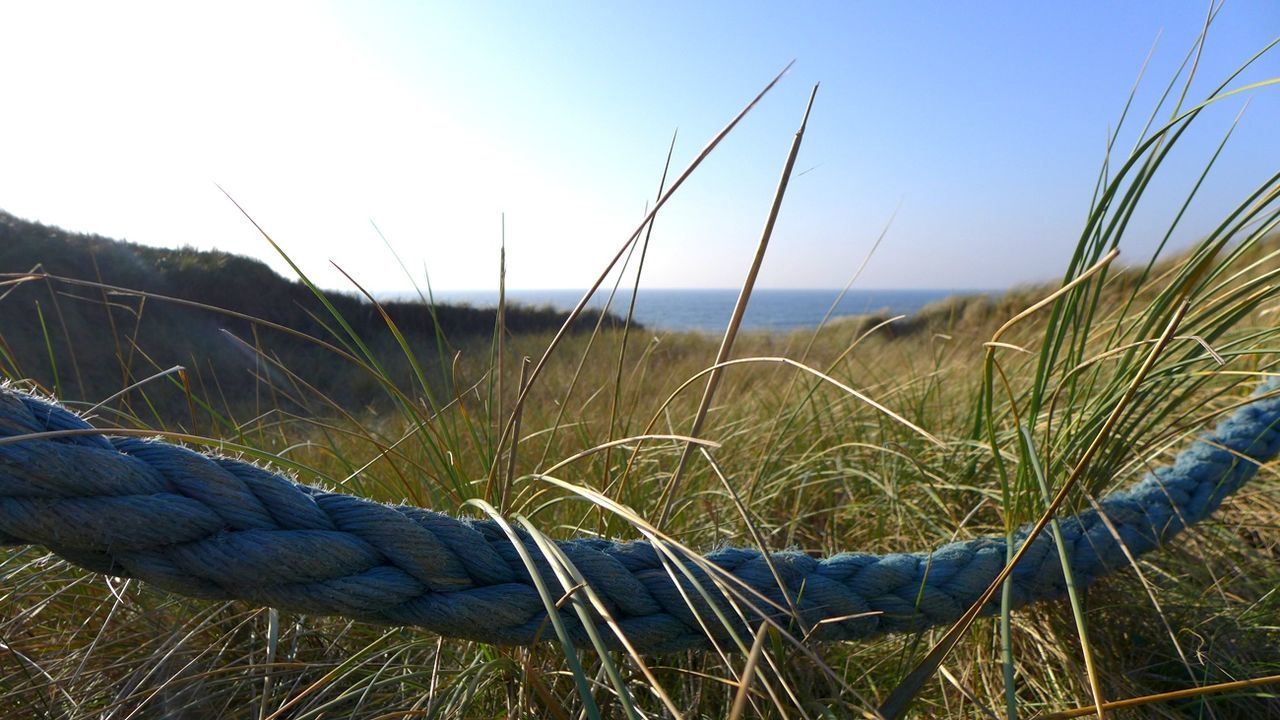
[
  {"x": 494, "y": 290},
  {"x": 709, "y": 309}
]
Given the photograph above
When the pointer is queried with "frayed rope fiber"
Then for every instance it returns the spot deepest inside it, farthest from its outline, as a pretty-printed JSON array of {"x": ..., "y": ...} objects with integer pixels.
[{"x": 219, "y": 528}]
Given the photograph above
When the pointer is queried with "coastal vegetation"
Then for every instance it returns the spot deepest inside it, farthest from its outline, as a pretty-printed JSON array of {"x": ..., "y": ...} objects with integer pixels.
[
  {"x": 870, "y": 434},
  {"x": 87, "y": 317}
]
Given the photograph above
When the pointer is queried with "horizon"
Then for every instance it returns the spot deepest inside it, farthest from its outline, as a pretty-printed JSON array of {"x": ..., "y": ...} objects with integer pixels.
[
  {"x": 708, "y": 310},
  {"x": 647, "y": 288},
  {"x": 975, "y": 137}
]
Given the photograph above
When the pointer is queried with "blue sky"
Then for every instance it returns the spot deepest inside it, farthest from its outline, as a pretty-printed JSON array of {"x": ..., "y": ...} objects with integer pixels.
[{"x": 984, "y": 122}]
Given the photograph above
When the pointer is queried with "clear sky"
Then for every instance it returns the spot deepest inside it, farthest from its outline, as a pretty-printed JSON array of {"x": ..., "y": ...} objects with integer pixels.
[{"x": 985, "y": 122}]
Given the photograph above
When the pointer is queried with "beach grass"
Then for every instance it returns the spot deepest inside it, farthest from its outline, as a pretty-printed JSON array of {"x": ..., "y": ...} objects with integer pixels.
[{"x": 972, "y": 418}]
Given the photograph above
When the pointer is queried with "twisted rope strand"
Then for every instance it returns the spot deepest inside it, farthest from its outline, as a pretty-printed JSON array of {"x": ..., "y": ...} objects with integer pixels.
[{"x": 220, "y": 528}]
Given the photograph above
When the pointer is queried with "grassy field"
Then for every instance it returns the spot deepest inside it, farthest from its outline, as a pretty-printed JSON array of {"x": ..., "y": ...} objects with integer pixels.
[{"x": 801, "y": 460}]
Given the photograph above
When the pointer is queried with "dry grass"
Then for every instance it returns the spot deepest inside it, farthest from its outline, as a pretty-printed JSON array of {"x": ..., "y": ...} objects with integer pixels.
[{"x": 810, "y": 466}]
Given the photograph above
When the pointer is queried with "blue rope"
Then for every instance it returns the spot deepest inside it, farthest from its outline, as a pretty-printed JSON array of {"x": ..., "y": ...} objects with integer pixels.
[{"x": 219, "y": 528}]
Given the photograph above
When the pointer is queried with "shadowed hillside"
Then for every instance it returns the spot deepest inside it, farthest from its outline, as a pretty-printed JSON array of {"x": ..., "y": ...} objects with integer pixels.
[{"x": 87, "y": 316}]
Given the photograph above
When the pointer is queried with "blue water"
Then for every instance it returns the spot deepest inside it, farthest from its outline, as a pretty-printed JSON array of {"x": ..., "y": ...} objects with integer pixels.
[{"x": 709, "y": 310}]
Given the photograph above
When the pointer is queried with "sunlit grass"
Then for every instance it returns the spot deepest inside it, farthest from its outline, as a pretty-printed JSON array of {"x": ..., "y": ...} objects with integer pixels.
[{"x": 868, "y": 435}]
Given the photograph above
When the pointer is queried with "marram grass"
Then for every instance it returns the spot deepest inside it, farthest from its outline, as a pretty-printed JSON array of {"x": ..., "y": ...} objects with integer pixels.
[{"x": 875, "y": 436}]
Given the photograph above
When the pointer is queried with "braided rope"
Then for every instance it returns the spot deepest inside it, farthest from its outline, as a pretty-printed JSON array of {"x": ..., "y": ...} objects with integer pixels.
[{"x": 219, "y": 528}]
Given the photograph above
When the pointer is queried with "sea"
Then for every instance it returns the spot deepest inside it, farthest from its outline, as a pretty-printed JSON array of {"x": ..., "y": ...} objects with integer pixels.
[{"x": 709, "y": 310}]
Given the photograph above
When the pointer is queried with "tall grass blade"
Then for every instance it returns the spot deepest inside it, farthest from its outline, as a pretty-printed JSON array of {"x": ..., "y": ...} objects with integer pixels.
[
  {"x": 739, "y": 309},
  {"x": 688, "y": 171}
]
